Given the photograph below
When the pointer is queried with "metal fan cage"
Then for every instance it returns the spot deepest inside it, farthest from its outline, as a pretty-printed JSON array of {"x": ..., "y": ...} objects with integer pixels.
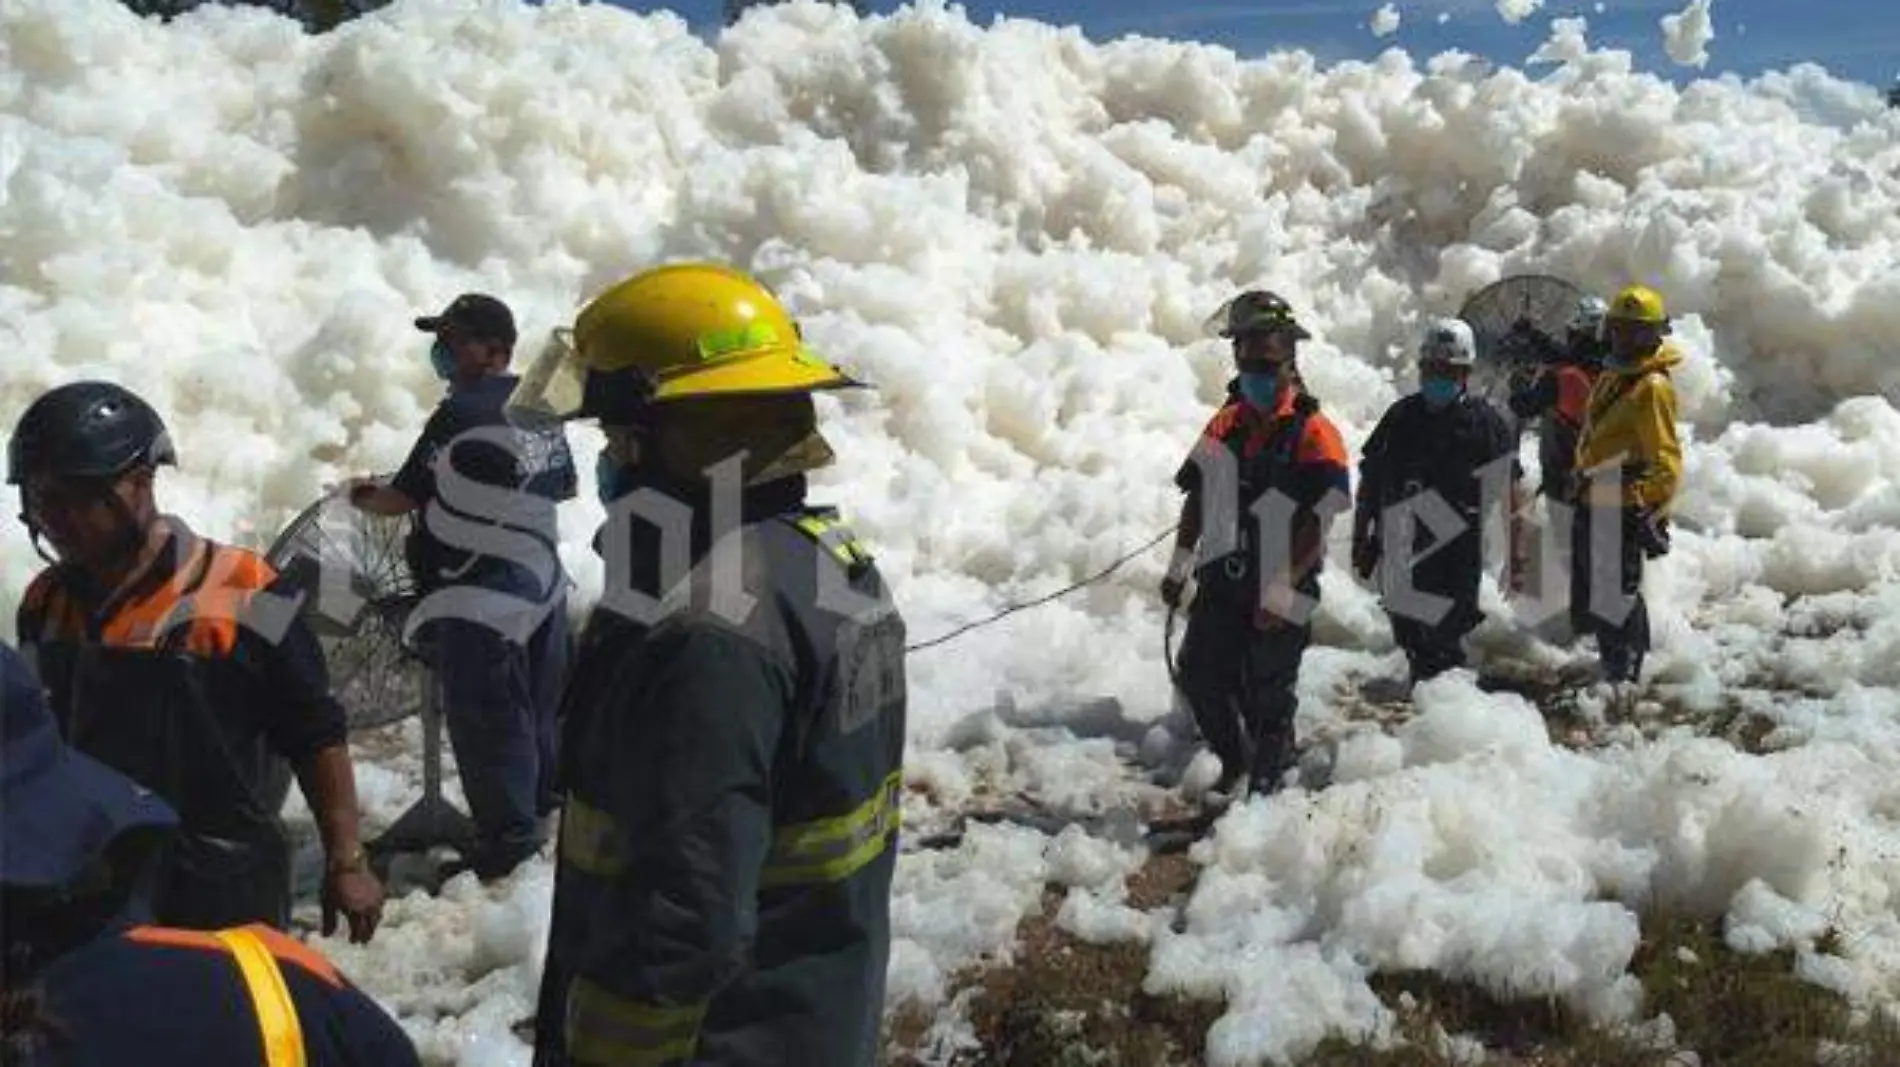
[
  {"x": 1519, "y": 324},
  {"x": 352, "y": 566}
]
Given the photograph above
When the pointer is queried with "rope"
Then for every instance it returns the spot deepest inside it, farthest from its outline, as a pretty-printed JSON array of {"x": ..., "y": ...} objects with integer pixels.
[
  {"x": 1058, "y": 594},
  {"x": 1167, "y": 648}
]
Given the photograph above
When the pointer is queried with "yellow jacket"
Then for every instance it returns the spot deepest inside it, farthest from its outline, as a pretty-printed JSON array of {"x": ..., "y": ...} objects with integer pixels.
[{"x": 1630, "y": 423}]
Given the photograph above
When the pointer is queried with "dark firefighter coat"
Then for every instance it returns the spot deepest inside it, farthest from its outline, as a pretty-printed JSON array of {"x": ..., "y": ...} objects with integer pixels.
[
  {"x": 733, "y": 782},
  {"x": 1464, "y": 453}
]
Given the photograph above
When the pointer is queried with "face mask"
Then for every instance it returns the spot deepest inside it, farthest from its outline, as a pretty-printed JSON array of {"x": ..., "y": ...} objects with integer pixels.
[
  {"x": 1261, "y": 388},
  {"x": 606, "y": 477},
  {"x": 442, "y": 358},
  {"x": 1439, "y": 391}
]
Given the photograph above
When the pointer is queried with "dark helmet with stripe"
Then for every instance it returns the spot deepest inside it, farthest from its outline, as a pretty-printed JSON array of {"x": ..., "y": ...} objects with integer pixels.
[
  {"x": 87, "y": 429},
  {"x": 1256, "y": 311}
]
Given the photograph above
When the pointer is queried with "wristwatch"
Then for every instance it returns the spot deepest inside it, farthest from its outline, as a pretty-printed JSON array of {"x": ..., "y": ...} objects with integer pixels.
[{"x": 356, "y": 859}]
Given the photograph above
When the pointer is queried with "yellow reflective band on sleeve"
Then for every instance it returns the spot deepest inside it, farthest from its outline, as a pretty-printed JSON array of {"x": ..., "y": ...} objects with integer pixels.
[
  {"x": 836, "y": 539},
  {"x": 604, "y": 1030},
  {"x": 831, "y": 850},
  {"x": 590, "y": 839},
  {"x": 270, "y": 998}
]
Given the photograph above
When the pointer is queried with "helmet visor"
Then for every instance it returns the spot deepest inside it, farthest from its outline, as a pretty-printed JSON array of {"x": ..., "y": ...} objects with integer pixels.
[{"x": 553, "y": 387}]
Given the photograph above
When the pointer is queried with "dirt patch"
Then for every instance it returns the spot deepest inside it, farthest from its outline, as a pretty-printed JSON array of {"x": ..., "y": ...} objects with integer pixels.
[{"x": 1066, "y": 1003}]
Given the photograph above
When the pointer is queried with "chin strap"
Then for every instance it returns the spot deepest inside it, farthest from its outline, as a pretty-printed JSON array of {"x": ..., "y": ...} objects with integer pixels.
[{"x": 129, "y": 539}]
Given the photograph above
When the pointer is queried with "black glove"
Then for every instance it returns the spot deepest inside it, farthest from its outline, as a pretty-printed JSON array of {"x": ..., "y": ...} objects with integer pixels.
[
  {"x": 1652, "y": 533},
  {"x": 1171, "y": 591}
]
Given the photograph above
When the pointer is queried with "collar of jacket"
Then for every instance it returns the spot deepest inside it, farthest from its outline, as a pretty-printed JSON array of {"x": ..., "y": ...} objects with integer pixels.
[
  {"x": 1666, "y": 356},
  {"x": 756, "y": 504}
]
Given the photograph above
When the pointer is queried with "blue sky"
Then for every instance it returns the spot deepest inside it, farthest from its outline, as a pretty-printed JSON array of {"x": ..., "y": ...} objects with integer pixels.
[{"x": 1857, "y": 39}]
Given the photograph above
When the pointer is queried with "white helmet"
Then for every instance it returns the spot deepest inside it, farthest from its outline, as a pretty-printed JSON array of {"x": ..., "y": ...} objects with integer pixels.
[
  {"x": 1450, "y": 341},
  {"x": 1588, "y": 318}
]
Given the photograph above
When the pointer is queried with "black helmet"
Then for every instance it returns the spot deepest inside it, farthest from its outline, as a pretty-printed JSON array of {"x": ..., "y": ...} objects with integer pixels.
[
  {"x": 1256, "y": 311},
  {"x": 87, "y": 430}
]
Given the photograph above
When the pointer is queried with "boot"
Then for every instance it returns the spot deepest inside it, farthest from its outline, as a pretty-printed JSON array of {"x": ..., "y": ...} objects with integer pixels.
[{"x": 1272, "y": 759}]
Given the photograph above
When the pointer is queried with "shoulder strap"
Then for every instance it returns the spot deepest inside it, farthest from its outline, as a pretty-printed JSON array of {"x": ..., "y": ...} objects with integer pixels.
[{"x": 277, "y": 1020}]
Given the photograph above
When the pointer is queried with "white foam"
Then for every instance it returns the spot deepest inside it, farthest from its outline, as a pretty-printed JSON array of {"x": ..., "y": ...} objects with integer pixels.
[
  {"x": 1687, "y": 33},
  {"x": 1016, "y": 233},
  {"x": 1516, "y": 11}
]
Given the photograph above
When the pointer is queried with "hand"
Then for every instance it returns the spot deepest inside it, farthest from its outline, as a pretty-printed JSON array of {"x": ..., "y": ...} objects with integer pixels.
[
  {"x": 352, "y": 489},
  {"x": 1276, "y": 608},
  {"x": 1171, "y": 587},
  {"x": 355, "y": 894},
  {"x": 1653, "y": 533}
]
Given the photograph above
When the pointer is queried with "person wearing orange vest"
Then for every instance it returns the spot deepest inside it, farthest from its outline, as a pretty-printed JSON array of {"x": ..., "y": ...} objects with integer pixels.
[
  {"x": 88, "y": 983},
  {"x": 1628, "y": 468},
  {"x": 1558, "y": 395},
  {"x": 184, "y": 664},
  {"x": 1246, "y": 634}
]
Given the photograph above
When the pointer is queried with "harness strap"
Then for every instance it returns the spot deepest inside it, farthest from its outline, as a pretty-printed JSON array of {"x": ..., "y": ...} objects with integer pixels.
[{"x": 277, "y": 1019}]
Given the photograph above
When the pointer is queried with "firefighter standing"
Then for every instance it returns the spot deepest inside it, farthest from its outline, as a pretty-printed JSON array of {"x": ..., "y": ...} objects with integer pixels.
[
  {"x": 1438, "y": 446},
  {"x": 733, "y": 758},
  {"x": 1240, "y": 657},
  {"x": 1557, "y": 396},
  {"x": 499, "y": 646},
  {"x": 1628, "y": 466},
  {"x": 87, "y": 984},
  {"x": 182, "y": 663}
]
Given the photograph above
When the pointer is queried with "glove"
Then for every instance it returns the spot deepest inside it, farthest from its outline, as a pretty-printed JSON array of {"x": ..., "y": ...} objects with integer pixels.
[
  {"x": 1652, "y": 533},
  {"x": 1178, "y": 569},
  {"x": 1171, "y": 590}
]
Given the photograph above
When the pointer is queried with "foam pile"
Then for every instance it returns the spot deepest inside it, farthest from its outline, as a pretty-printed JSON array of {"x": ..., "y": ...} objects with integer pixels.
[{"x": 1016, "y": 233}]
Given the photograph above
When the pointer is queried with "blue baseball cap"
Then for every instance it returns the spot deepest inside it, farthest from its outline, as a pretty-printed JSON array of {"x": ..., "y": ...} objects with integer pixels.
[{"x": 59, "y": 808}]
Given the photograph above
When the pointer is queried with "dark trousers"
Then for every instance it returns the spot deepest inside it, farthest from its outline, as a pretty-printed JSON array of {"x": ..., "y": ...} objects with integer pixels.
[
  {"x": 499, "y": 702},
  {"x": 1433, "y": 639},
  {"x": 1606, "y": 587},
  {"x": 1238, "y": 682}
]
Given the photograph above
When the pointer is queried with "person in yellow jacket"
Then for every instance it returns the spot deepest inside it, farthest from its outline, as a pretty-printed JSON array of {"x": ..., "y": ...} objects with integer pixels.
[{"x": 1628, "y": 467}]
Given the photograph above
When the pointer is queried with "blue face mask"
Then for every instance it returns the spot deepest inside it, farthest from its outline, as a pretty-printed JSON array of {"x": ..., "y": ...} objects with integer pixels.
[
  {"x": 442, "y": 358},
  {"x": 606, "y": 477},
  {"x": 1439, "y": 391},
  {"x": 1261, "y": 388}
]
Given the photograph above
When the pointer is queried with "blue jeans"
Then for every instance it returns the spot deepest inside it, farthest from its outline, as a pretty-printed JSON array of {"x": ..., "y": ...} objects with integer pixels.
[{"x": 499, "y": 702}]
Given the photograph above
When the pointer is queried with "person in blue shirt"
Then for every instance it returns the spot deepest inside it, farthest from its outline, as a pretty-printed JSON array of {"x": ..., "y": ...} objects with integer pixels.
[
  {"x": 493, "y": 615},
  {"x": 88, "y": 983}
]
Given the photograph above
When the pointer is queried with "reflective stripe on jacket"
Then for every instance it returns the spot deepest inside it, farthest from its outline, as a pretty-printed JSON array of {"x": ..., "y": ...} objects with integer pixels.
[{"x": 734, "y": 779}]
